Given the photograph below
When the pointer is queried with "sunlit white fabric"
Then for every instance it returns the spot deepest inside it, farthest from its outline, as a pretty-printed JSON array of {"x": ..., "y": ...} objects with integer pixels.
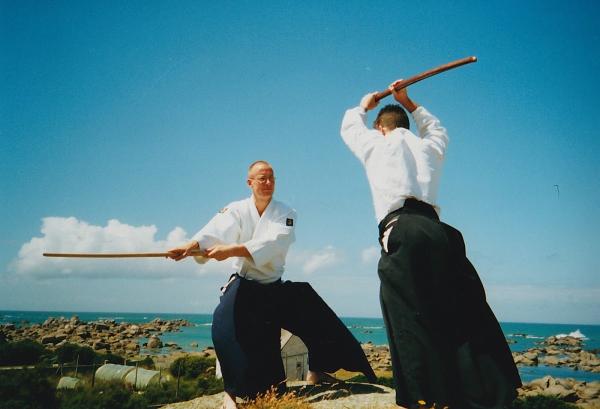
[
  {"x": 267, "y": 237},
  {"x": 399, "y": 165}
]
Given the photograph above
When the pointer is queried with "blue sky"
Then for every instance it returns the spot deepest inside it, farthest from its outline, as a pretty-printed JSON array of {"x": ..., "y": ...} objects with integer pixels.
[{"x": 127, "y": 125}]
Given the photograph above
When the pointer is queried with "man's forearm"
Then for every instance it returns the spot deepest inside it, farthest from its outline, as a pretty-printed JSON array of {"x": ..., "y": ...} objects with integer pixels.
[
  {"x": 409, "y": 105},
  {"x": 224, "y": 251},
  {"x": 239, "y": 250}
]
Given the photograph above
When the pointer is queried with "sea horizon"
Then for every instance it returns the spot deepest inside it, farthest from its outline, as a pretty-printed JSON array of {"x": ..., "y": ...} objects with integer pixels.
[{"x": 3, "y": 311}]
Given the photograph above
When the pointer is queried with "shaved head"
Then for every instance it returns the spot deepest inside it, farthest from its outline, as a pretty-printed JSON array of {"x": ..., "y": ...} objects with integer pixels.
[{"x": 256, "y": 163}]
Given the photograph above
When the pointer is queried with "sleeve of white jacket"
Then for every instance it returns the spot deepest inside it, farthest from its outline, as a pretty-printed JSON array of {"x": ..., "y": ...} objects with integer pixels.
[
  {"x": 223, "y": 228},
  {"x": 355, "y": 133},
  {"x": 275, "y": 242},
  {"x": 430, "y": 129}
]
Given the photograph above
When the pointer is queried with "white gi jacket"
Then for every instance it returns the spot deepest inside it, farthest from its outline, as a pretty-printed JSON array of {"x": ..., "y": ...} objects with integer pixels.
[
  {"x": 267, "y": 237},
  {"x": 399, "y": 165}
]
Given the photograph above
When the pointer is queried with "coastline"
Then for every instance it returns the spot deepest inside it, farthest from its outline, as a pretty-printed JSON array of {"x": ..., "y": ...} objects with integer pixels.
[
  {"x": 554, "y": 366},
  {"x": 196, "y": 335}
]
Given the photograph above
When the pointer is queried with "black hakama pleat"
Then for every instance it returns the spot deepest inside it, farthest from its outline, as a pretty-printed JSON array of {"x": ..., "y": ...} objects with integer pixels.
[
  {"x": 246, "y": 335},
  {"x": 446, "y": 345}
]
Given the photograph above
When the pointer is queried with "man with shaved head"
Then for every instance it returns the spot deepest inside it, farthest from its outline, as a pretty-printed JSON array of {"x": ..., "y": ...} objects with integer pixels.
[{"x": 256, "y": 234}]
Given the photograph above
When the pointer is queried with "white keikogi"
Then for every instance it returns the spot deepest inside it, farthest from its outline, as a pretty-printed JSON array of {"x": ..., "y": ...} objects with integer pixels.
[
  {"x": 267, "y": 237},
  {"x": 400, "y": 165}
]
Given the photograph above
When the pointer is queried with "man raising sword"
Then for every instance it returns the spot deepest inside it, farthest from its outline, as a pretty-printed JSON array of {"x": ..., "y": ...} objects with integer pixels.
[
  {"x": 256, "y": 234},
  {"x": 446, "y": 345}
]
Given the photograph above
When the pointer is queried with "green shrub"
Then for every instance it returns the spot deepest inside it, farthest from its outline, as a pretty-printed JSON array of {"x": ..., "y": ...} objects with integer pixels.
[
  {"x": 541, "y": 402},
  {"x": 191, "y": 366},
  {"x": 68, "y": 353},
  {"x": 24, "y": 352},
  {"x": 159, "y": 393},
  {"x": 111, "y": 395},
  {"x": 146, "y": 363},
  {"x": 111, "y": 358},
  {"x": 165, "y": 392},
  {"x": 209, "y": 385},
  {"x": 389, "y": 382},
  {"x": 26, "y": 389}
]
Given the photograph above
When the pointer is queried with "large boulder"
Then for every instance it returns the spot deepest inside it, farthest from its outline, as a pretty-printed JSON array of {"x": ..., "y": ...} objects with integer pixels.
[
  {"x": 48, "y": 340},
  {"x": 588, "y": 391},
  {"x": 154, "y": 342},
  {"x": 559, "y": 391},
  {"x": 100, "y": 326},
  {"x": 99, "y": 344},
  {"x": 550, "y": 360}
]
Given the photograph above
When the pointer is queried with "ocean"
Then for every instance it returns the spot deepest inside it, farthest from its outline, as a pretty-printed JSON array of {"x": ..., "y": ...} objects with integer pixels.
[{"x": 524, "y": 335}]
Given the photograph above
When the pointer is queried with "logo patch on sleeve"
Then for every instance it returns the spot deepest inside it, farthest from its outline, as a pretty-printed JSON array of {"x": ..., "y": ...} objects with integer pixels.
[
  {"x": 223, "y": 210},
  {"x": 289, "y": 222}
]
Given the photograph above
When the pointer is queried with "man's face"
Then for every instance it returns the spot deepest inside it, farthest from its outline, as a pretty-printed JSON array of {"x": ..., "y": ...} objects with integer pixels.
[{"x": 261, "y": 180}]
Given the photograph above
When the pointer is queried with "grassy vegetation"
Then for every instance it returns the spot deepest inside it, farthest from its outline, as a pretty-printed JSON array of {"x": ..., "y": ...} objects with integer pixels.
[
  {"x": 27, "y": 389},
  {"x": 541, "y": 402},
  {"x": 25, "y": 352},
  {"x": 272, "y": 400},
  {"x": 36, "y": 388},
  {"x": 381, "y": 380},
  {"x": 103, "y": 396},
  {"x": 192, "y": 366}
]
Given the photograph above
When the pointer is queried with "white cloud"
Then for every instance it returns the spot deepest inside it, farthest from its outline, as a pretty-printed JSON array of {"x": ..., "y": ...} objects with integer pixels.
[
  {"x": 70, "y": 235},
  {"x": 323, "y": 258},
  {"x": 370, "y": 254}
]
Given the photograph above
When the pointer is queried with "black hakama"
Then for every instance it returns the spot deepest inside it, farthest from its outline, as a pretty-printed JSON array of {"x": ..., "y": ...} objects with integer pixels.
[
  {"x": 246, "y": 334},
  {"x": 446, "y": 345}
]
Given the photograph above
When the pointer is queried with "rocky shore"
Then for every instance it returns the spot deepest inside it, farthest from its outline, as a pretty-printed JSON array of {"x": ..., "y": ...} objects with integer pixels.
[
  {"x": 378, "y": 356},
  {"x": 583, "y": 394},
  {"x": 559, "y": 351},
  {"x": 553, "y": 351},
  {"x": 103, "y": 335},
  {"x": 124, "y": 339}
]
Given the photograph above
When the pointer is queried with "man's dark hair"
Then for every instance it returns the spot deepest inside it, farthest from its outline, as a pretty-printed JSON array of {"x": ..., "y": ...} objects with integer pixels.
[{"x": 391, "y": 117}]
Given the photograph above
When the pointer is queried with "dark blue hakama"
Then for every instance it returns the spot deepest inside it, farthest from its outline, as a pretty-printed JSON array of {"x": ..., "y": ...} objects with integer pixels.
[{"x": 246, "y": 334}]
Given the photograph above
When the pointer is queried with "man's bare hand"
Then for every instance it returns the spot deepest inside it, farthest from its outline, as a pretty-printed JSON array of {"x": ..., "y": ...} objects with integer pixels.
[
  {"x": 401, "y": 96},
  {"x": 179, "y": 253},
  {"x": 368, "y": 102},
  {"x": 222, "y": 252}
]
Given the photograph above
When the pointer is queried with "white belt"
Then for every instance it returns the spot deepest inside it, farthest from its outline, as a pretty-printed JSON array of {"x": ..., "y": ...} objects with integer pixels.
[{"x": 386, "y": 233}]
